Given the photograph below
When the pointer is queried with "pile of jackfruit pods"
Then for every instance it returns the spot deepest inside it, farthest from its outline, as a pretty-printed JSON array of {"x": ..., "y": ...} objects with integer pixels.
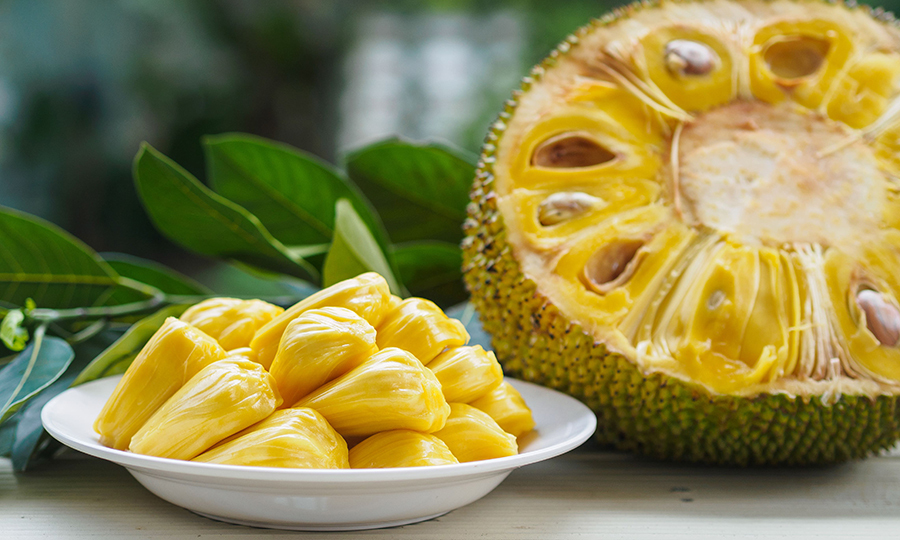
[{"x": 244, "y": 382}]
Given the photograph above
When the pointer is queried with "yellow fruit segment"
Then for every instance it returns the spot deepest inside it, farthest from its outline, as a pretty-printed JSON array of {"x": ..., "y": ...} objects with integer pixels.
[
  {"x": 505, "y": 405},
  {"x": 366, "y": 295},
  {"x": 230, "y": 321},
  {"x": 318, "y": 346},
  {"x": 466, "y": 373},
  {"x": 863, "y": 93},
  {"x": 472, "y": 435},
  {"x": 420, "y": 327},
  {"x": 175, "y": 353},
  {"x": 290, "y": 438},
  {"x": 400, "y": 448},
  {"x": 390, "y": 390},
  {"x": 222, "y": 399}
]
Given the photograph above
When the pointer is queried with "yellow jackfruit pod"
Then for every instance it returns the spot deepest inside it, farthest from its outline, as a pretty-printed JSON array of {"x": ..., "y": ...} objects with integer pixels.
[
  {"x": 390, "y": 390},
  {"x": 466, "y": 373},
  {"x": 400, "y": 448},
  {"x": 505, "y": 405},
  {"x": 472, "y": 435},
  {"x": 244, "y": 353},
  {"x": 175, "y": 353},
  {"x": 366, "y": 295},
  {"x": 317, "y": 347},
  {"x": 230, "y": 321},
  {"x": 290, "y": 438},
  {"x": 222, "y": 399},
  {"x": 420, "y": 327}
]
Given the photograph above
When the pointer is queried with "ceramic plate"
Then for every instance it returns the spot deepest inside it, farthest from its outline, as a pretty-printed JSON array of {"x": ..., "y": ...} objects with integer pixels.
[{"x": 305, "y": 499}]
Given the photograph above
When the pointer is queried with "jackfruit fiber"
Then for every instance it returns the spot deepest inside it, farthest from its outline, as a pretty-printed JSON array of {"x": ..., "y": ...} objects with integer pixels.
[
  {"x": 230, "y": 321},
  {"x": 290, "y": 438},
  {"x": 318, "y": 346},
  {"x": 687, "y": 218},
  {"x": 390, "y": 390},
  {"x": 466, "y": 373},
  {"x": 174, "y": 354},
  {"x": 222, "y": 399},
  {"x": 367, "y": 295},
  {"x": 400, "y": 448},
  {"x": 472, "y": 435}
]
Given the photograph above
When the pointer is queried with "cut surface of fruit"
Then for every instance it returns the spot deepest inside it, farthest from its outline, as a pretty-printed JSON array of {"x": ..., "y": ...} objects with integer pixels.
[{"x": 701, "y": 198}]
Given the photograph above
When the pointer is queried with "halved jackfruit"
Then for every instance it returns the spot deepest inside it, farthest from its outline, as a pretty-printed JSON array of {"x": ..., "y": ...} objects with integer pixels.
[
  {"x": 291, "y": 438},
  {"x": 400, "y": 448},
  {"x": 175, "y": 353}
]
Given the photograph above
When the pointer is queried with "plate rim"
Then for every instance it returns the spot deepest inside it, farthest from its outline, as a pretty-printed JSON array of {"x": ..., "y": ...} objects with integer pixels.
[{"x": 167, "y": 467}]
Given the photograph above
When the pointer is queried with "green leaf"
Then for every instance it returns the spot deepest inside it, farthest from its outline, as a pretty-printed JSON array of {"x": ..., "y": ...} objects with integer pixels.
[
  {"x": 118, "y": 356},
  {"x": 39, "y": 260},
  {"x": 192, "y": 215},
  {"x": 41, "y": 363},
  {"x": 432, "y": 270},
  {"x": 420, "y": 190},
  {"x": 292, "y": 193},
  {"x": 354, "y": 250},
  {"x": 13, "y": 334},
  {"x": 165, "y": 279}
]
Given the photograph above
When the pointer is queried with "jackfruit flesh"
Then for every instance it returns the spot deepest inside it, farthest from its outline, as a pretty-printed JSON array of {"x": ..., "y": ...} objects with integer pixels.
[
  {"x": 472, "y": 435},
  {"x": 290, "y": 438},
  {"x": 466, "y": 373},
  {"x": 367, "y": 295},
  {"x": 400, "y": 448},
  {"x": 505, "y": 405},
  {"x": 318, "y": 346},
  {"x": 420, "y": 327},
  {"x": 222, "y": 399},
  {"x": 230, "y": 321},
  {"x": 687, "y": 218},
  {"x": 390, "y": 390},
  {"x": 175, "y": 353}
]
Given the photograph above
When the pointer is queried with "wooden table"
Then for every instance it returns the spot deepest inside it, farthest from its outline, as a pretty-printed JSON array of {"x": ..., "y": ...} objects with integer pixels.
[{"x": 586, "y": 494}]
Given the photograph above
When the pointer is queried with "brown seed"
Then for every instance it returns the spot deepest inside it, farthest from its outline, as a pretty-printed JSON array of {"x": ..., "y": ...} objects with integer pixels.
[
  {"x": 564, "y": 206},
  {"x": 612, "y": 265},
  {"x": 686, "y": 57},
  {"x": 882, "y": 317},
  {"x": 570, "y": 151}
]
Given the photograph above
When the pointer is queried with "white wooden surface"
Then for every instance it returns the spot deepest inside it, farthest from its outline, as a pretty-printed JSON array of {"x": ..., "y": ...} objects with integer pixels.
[{"x": 585, "y": 494}]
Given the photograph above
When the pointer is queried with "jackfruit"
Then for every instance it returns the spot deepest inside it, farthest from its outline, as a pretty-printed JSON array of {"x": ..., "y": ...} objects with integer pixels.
[
  {"x": 175, "y": 353},
  {"x": 230, "y": 321},
  {"x": 367, "y": 295},
  {"x": 291, "y": 438},
  {"x": 318, "y": 346},
  {"x": 472, "y": 435},
  {"x": 505, "y": 405},
  {"x": 390, "y": 390},
  {"x": 400, "y": 448},
  {"x": 420, "y": 327},
  {"x": 687, "y": 218},
  {"x": 222, "y": 399},
  {"x": 466, "y": 373}
]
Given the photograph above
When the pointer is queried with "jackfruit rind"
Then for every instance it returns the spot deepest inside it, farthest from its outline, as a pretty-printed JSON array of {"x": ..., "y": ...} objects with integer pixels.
[
  {"x": 222, "y": 399},
  {"x": 816, "y": 404},
  {"x": 420, "y": 327},
  {"x": 318, "y": 346},
  {"x": 367, "y": 295},
  {"x": 505, "y": 405},
  {"x": 174, "y": 354},
  {"x": 472, "y": 435},
  {"x": 230, "y": 321},
  {"x": 400, "y": 448},
  {"x": 289, "y": 438},
  {"x": 390, "y": 390},
  {"x": 466, "y": 373}
]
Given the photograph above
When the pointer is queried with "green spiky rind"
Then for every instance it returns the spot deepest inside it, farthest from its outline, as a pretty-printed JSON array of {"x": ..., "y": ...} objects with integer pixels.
[{"x": 651, "y": 414}]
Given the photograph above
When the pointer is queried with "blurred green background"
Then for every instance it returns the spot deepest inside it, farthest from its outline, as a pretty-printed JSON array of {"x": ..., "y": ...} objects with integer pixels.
[{"x": 83, "y": 82}]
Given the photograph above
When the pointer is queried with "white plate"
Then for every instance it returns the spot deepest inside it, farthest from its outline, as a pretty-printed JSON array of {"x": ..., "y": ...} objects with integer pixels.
[{"x": 305, "y": 499}]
